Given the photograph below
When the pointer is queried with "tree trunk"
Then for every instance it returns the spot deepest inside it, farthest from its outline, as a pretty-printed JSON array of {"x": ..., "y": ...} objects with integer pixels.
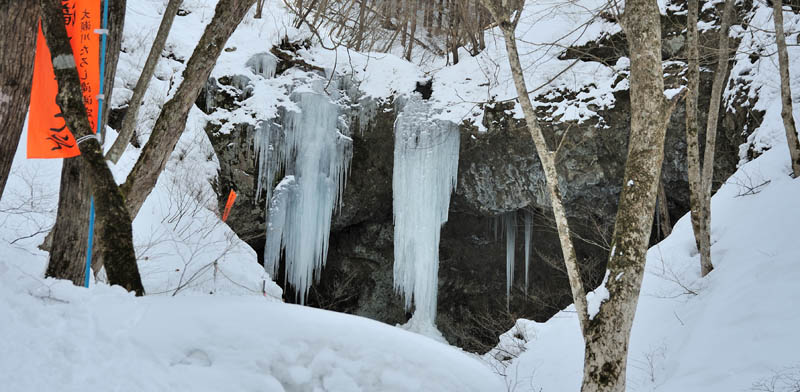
[
  {"x": 67, "y": 242},
  {"x": 131, "y": 117},
  {"x": 70, "y": 234},
  {"x": 711, "y": 137},
  {"x": 413, "y": 33},
  {"x": 609, "y": 332},
  {"x": 259, "y": 9},
  {"x": 664, "y": 223},
  {"x": 786, "y": 91},
  {"x": 116, "y": 23},
  {"x": 18, "y": 27},
  {"x": 692, "y": 143},
  {"x": 547, "y": 158},
  {"x": 114, "y": 237},
  {"x": 172, "y": 119}
]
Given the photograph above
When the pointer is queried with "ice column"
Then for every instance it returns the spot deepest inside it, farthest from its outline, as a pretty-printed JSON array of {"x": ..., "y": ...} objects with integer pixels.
[
  {"x": 425, "y": 173},
  {"x": 528, "y": 240},
  {"x": 316, "y": 157},
  {"x": 510, "y": 226}
]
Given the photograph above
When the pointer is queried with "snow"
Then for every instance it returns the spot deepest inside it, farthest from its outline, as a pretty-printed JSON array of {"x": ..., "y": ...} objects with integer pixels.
[
  {"x": 729, "y": 331},
  {"x": 67, "y": 338},
  {"x": 424, "y": 176},
  {"x": 724, "y": 332},
  {"x": 212, "y": 319}
]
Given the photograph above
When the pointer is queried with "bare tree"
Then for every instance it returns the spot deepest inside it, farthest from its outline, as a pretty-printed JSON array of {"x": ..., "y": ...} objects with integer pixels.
[
  {"x": 606, "y": 336},
  {"x": 706, "y": 178},
  {"x": 131, "y": 117},
  {"x": 172, "y": 119},
  {"x": 17, "y": 44},
  {"x": 786, "y": 91},
  {"x": 115, "y": 242},
  {"x": 507, "y": 17},
  {"x": 692, "y": 141},
  {"x": 67, "y": 242},
  {"x": 701, "y": 176}
]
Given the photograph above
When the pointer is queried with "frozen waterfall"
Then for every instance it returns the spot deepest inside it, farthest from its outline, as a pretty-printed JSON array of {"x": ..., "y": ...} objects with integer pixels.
[
  {"x": 425, "y": 173},
  {"x": 528, "y": 240},
  {"x": 315, "y": 157},
  {"x": 510, "y": 228}
]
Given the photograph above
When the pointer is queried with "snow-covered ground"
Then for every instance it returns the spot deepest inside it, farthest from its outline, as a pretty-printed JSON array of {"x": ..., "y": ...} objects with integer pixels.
[
  {"x": 724, "y": 332},
  {"x": 734, "y": 330}
]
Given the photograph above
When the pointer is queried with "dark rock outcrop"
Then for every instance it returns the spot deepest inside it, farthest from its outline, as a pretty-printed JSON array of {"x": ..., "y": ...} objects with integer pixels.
[{"x": 498, "y": 173}]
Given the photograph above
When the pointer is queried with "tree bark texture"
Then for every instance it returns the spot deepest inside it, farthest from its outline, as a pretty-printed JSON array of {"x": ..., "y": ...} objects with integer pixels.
[
  {"x": 18, "y": 27},
  {"x": 67, "y": 243},
  {"x": 692, "y": 141},
  {"x": 664, "y": 223},
  {"x": 116, "y": 23},
  {"x": 786, "y": 91},
  {"x": 70, "y": 234},
  {"x": 172, "y": 119},
  {"x": 130, "y": 120},
  {"x": 608, "y": 334},
  {"x": 113, "y": 231},
  {"x": 717, "y": 86},
  {"x": 547, "y": 158}
]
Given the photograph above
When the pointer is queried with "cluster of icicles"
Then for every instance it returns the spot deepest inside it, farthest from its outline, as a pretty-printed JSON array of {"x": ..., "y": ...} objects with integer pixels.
[{"x": 309, "y": 146}]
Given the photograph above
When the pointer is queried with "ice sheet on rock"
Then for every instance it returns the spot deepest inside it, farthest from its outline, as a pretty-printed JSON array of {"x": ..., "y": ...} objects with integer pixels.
[{"x": 425, "y": 173}]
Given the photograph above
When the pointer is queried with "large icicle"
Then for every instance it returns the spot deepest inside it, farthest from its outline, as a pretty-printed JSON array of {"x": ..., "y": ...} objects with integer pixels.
[
  {"x": 316, "y": 155},
  {"x": 425, "y": 173},
  {"x": 276, "y": 222},
  {"x": 528, "y": 239},
  {"x": 510, "y": 226}
]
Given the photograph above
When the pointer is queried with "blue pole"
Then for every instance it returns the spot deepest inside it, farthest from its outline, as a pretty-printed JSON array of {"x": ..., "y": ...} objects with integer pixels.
[{"x": 100, "y": 98}]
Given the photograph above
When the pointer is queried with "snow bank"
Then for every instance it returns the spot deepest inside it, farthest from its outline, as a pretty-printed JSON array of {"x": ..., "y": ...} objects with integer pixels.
[
  {"x": 725, "y": 332},
  {"x": 60, "y": 337}
]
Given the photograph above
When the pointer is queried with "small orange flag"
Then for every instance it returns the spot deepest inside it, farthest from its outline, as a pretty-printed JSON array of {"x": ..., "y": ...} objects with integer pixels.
[
  {"x": 228, "y": 205},
  {"x": 48, "y": 135}
]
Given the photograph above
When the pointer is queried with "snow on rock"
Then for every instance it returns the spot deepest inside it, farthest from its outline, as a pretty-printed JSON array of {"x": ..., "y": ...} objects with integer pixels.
[{"x": 425, "y": 173}]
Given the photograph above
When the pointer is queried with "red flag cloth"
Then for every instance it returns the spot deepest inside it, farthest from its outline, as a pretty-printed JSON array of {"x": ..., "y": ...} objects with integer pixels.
[
  {"x": 228, "y": 205},
  {"x": 48, "y": 135}
]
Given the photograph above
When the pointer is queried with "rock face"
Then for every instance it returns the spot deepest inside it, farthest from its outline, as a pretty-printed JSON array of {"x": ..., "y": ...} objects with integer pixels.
[{"x": 498, "y": 173}]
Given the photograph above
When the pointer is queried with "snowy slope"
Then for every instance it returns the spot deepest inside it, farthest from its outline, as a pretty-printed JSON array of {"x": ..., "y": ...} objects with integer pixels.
[
  {"x": 60, "y": 337},
  {"x": 719, "y": 333},
  {"x": 726, "y": 332}
]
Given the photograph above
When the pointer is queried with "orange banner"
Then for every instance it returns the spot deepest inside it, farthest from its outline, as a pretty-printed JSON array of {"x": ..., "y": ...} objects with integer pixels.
[
  {"x": 48, "y": 135},
  {"x": 229, "y": 205}
]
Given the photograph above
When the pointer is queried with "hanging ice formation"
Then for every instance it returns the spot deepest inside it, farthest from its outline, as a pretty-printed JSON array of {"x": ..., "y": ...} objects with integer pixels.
[
  {"x": 264, "y": 64},
  {"x": 510, "y": 228},
  {"x": 528, "y": 240},
  {"x": 425, "y": 173},
  {"x": 316, "y": 157}
]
